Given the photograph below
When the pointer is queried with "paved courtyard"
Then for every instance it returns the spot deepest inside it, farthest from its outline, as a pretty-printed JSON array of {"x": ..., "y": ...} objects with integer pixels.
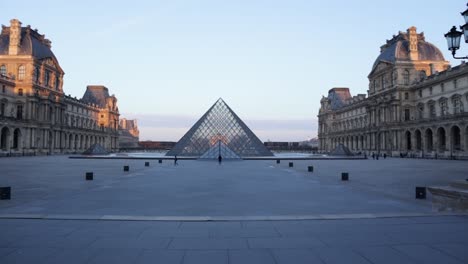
[{"x": 55, "y": 216}]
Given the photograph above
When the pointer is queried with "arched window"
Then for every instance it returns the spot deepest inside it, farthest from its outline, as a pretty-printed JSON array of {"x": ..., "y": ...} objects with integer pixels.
[
  {"x": 406, "y": 77},
  {"x": 21, "y": 72},
  {"x": 3, "y": 70}
]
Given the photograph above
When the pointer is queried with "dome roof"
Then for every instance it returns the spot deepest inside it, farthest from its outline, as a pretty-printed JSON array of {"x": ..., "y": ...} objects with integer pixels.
[{"x": 398, "y": 49}]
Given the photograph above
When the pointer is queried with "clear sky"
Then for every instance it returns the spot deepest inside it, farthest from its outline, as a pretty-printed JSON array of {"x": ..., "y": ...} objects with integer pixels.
[{"x": 168, "y": 61}]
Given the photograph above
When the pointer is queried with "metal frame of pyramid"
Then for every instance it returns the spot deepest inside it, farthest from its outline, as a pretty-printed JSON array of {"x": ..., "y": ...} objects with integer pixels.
[
  {"x": 220, "y": 149},
  {"x": 219, "y": 123}
]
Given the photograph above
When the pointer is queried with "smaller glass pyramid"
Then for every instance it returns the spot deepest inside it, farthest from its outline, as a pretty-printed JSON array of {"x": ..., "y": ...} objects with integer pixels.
[{"x": 220, "y": 124}]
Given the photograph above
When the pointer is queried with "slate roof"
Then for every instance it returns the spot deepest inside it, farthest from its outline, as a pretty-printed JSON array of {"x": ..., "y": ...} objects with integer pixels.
[
  {"x": 96, "y": 94},
  {"x": 398, "y": 49},
  {"x": 32, "y": 43}
]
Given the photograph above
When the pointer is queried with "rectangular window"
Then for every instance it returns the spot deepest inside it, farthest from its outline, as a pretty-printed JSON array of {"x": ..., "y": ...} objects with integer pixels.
[
  {"x": 19, "y": 112},
  {"x": 443, "y": 107},
  {"x": 47, "y": 79},
  {"x": 3, "y": 88},
  {"x": 20, "y": 92},
  {"x": 406, "y": 96},
  {"x": 420, "y": 93},
  {"x": 57, "y": 83},
  {"x": 442, "y": 87},
  {"x": 2, "y": 109},
  {"x": 432, "y": 110},
  {"x": 407, "y": 114}
]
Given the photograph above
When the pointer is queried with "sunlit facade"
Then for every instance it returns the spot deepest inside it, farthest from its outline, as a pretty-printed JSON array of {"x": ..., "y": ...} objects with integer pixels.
[
  {"x": 36, "y": 117},
  {"x": 416, "y": 105}
]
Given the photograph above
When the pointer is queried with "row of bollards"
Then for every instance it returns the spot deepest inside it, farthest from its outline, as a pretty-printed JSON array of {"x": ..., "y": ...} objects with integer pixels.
[
  {"x": 420, "y": 191},
  {"x": 89, "y": 176}
]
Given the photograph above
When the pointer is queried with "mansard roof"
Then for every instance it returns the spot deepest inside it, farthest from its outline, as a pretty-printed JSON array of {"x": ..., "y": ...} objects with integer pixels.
[{"x": 32, "y": 43}]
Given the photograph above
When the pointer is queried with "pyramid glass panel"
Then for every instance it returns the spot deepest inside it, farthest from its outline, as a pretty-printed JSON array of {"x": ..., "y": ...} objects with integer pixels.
[{"x": 219, "y": 124}]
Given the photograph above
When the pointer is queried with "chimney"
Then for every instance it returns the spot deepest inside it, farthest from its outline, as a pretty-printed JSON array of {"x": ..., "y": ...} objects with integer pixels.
[
  {"x": 15, "y": 37},
  {"x": 413, "y": 43}
]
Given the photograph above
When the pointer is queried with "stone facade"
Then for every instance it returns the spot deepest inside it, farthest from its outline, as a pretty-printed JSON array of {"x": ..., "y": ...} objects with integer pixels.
[
  {"x": 129, "y": 135},
  {"x": 416, "y": 105},
  {"x": 36, "y": 117}
]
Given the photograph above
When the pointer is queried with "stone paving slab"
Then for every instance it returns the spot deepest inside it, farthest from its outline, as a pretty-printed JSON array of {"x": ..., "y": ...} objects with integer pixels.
[{"x": 408, "y": 240}]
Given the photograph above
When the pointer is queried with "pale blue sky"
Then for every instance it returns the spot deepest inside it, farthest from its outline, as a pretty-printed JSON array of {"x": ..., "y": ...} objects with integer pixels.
[{"x": 271, "y": 61}]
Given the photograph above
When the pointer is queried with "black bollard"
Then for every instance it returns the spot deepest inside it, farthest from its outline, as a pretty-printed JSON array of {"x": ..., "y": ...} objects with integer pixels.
[
  {"x": 146, "y": 163},
  {"x": 160, "y": 161},
  {"x": 344, "y": 176},
  {"x": 310, "y": 168},
  {"x": 278, "y": 161},
  {"x": 89, "y": 176},
  {"x": 126, "y": 168},
  {"x": 291, "y": 164},
  {"x": 420, "y": 192},
  {"x": 5, "y": 193}
]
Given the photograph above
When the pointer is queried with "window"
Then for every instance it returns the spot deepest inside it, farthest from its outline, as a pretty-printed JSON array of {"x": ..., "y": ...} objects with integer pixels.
[
  {"x": 3, "y": 70},
  {"x": 443, "y": 107},
  {"x": 19, "y": 112},
  {"x": 2, "y": 108},
  {"x": 382, "y": 82},
  {"x": 407, "y": 114},
  {"x": 421, "y": 111},
  {"x": 57, "y": 83},
  {"x": 442, "y": 87},
  {"x": 432, "y": 110},
  {"x": 406, "y": 96},
  {"x": 47, "y": 79},
  {"x": 430, "y": 90},
  {"x": 420, "y": 93},
  {"x": 20, "y": 92},
  {"x": 37, "y": 74},
  {"x": 392, "y": 78},
  {"x": 21, "y": 72},
  {"x": 406, "y": 77},
  {"x": 455, "y": 84},
  {"x": 3, "y": 88},
  {"x": 457, "y": 105}
]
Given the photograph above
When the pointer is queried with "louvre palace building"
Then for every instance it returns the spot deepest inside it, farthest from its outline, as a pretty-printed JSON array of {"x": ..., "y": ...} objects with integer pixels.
[
  {"x": 36, "y": 117},
  {"x": 416, "y": 105}
]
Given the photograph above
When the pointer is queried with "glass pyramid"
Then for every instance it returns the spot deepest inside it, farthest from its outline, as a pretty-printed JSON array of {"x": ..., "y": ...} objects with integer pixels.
[
  {"x": 220, "y": 149},
  {"x": 219, "y": 123}
]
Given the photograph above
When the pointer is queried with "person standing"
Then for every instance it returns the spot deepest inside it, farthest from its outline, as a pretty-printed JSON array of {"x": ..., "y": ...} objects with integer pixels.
[
  {"x": 220, "y": 159},
  {"x": 175, "y": 160}
]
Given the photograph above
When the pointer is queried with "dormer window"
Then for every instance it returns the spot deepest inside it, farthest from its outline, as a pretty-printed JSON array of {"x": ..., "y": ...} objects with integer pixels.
[
  {"x": 21, "y": 72},
  {"x": 3, "y": 70}
]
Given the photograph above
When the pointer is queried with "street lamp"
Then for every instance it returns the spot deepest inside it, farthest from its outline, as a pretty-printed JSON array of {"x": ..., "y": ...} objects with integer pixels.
[{"x": 454, "y": 36}]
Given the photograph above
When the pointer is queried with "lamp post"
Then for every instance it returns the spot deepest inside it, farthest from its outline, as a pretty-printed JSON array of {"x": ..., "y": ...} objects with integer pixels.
[{"x": 454, "y": 36}]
